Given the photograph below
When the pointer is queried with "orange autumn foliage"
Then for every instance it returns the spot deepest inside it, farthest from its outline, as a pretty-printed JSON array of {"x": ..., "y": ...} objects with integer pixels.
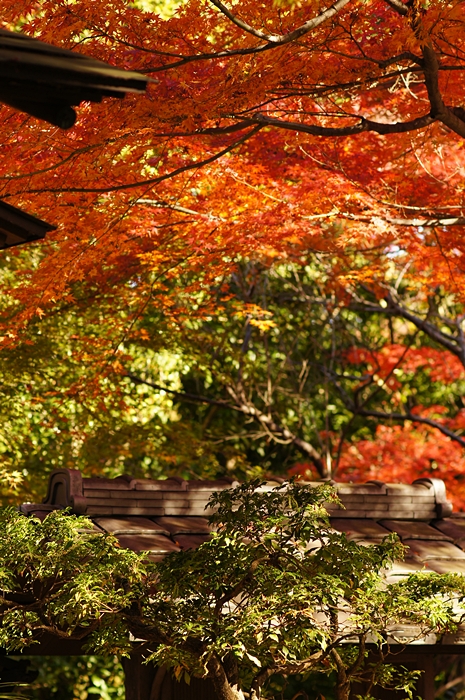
[
  {"x": 425, "y": 453},
  {"x": 263, "y": 133},
  {"x": 401, "y": 454},
  {"x": 441, "y": 366}
]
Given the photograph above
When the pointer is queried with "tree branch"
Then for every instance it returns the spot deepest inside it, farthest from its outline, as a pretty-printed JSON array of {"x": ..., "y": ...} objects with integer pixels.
[
  {"x": 159, "y": 204},
  {"x": 398, "y": 6},
  {"x": 156, "y": 180},
  {"x": 182, "y": 395},
  {"x": 223, "y": 690},
  {"x": 245, "y": 408},
  {"x": 280, "y": 39},
  {"x": 238, "y": 588},
  {"x": 360, "y": 656},
  {"x": 453, "y": 118},
  {"x": 363, "y": 125},
  {"x": 430, "y": 221},
  {"x": 447, "y": 341},
  {"x": 290, "y": 668},
  {"x": 267, "y": 421},
  {"x": 402, "y": 417}
]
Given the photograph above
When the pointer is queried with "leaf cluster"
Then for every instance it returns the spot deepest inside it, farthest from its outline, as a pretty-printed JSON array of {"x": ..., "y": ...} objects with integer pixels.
[
  {"x": 277, "y": 591},
  {"x": 62, "y": 577},
  {"x": 274, "y": 591}
]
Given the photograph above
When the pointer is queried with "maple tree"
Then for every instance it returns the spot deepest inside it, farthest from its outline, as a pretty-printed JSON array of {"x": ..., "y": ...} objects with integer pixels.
[
  {"x": 283, "y": 133},
  {"x": 274, "y": 591},
  {"x": 309, "y": 392},
  {"x": 283, "y": 120},
  {"x": 274, "y": 184}
]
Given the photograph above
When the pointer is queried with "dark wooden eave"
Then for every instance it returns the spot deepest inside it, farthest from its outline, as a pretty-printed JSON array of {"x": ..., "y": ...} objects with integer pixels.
[
  {"x": 46, "y": 81},
  {"x": 17, "y": 227}
]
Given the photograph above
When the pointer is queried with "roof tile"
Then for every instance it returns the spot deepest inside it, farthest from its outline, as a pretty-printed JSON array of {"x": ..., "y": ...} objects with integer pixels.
[
  {"x": 160, "y": 485},
  {"x": 457, "y": 637},
  {"x": 184, "y": 525},
  {"x": 415, "y": 530},
  {"x": 452, "y": 527},
  {"x": 409, "y": 489},
  {"x": 401, "y": 569},
  {"x": 120, "y": 483},
  {"x": 128, "y": 526},
  {"x": 190, "y": 541},
  {"x": 210, "y": 486},
  {"x": 446, "y": 566},
  {"x": 157, "y": 544},
  {"x": 426, "y": 550},
  {"x": 368, "y": 488},
  {"x": 356, "y": 529},
  {"x": 98, "y": 510}
]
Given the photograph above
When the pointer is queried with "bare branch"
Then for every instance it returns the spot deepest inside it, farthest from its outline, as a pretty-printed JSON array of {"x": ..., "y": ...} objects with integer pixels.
[
  {"x": 280, "y": 39},
  {"x": 267, "y": 421},
  {"x": 361, "y": 126},
  {"x": 247, "y": 409},
  {"x": 414, "y": 418}
]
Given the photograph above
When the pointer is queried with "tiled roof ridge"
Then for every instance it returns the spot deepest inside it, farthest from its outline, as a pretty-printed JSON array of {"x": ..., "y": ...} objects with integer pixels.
[{"x": 424, "y": 499}]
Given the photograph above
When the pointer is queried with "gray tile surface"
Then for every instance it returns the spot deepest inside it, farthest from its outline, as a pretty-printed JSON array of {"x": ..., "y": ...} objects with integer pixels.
[
  {"x": 426, "y": 549},
  {"x": 360, "y": 528},
  {"x": 413, "y": 530}
]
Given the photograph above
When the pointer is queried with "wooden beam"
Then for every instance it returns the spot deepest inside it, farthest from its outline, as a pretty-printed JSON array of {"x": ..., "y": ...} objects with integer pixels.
[
  {"x": 47, "y": 81},
  {"x": 138, "y": 678},
  {"x": 17, "y": 227}
]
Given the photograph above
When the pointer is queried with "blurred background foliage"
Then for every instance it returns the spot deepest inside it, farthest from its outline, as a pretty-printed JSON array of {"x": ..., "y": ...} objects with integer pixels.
[
  {"x": 282, "y": 361},
  {"x": 75, "y": 678}
]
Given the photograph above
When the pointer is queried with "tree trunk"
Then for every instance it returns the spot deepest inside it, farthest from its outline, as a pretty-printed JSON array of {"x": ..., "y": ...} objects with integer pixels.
[{"x": 343, "y": 690}]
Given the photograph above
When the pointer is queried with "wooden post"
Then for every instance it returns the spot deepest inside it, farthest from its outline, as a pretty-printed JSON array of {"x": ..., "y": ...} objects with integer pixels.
[
  {"x": 138, "y": 677},
  {"x": 425, "y": 685},
  {"x": 147, "y": 682}
]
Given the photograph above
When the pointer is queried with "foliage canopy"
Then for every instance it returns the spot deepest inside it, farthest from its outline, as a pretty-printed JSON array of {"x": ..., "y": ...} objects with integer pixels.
[
  {"x": 274, "y": 591},
  {"x": 293, "y": 169}
]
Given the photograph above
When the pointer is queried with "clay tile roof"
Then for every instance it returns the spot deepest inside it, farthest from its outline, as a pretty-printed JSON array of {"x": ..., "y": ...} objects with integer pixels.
[
  {"x": 190, "y": 541},
  {"x": 403, "y": 508},
  {"x": 184, "y": 525},
  {"x": 127, "y": 526},
  {"x": 425, "y": 499},
  {"x": 426, "y": 550},
  {"x": 163, "y": 516},
  {"x": 415, "y": 530},
  {"x": 453, "y": 528}
]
